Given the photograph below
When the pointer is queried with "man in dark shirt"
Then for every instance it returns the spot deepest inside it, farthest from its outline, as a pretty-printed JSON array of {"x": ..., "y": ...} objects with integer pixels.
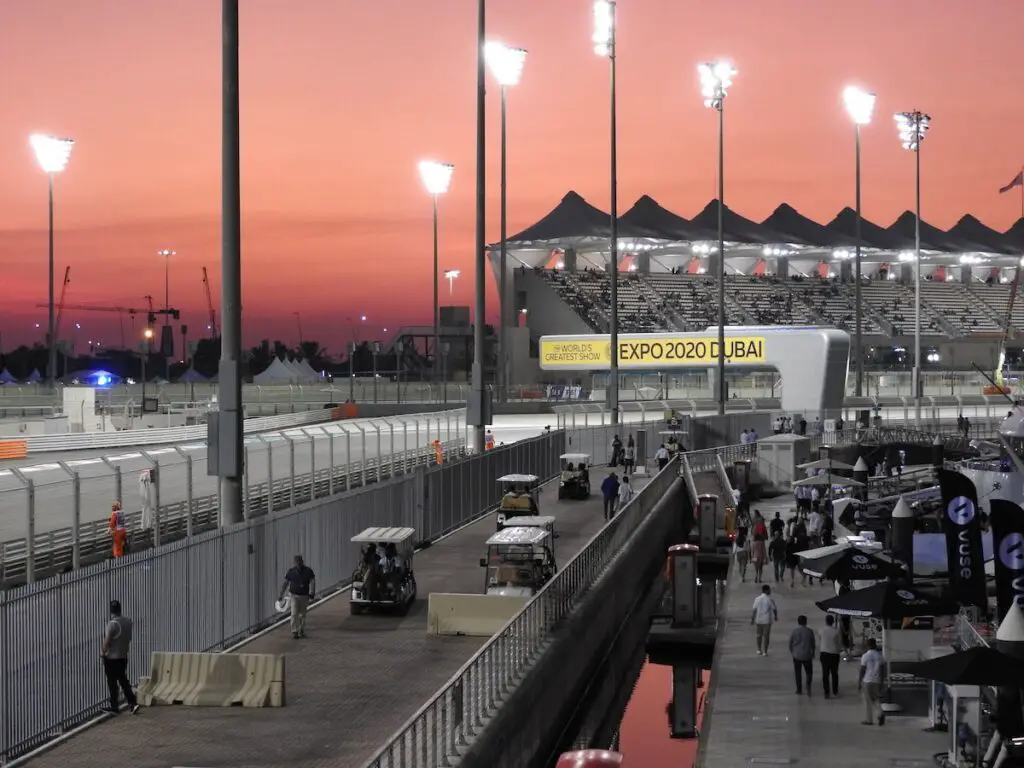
[
  {"x": 777, "y": 525},
  {"x": 116, "y": 647},
  {"x": 610, "y": 491},
  {"x": 300, "y": 585}
]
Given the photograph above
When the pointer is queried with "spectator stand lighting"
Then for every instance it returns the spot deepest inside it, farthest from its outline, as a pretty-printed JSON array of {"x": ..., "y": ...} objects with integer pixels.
[
  {"x": 860, "y": 106},
  {"x": 436, "y": 178},
  {"x": 52, "y": 153},
  {"x": 912, "y": 127},
  {"x": 605, "y": 46},
  {"x": 506, "y": 64},
  {"x": 715, "y": 80},
  {"x": 451, "y": 275}
]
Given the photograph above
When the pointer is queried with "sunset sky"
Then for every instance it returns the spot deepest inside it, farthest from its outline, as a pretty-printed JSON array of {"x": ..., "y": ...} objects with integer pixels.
[{"x": 341, "y": 98}]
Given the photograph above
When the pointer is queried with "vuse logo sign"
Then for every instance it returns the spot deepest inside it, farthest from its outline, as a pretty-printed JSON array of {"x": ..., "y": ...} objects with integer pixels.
[{"x": 960, "y": 510}]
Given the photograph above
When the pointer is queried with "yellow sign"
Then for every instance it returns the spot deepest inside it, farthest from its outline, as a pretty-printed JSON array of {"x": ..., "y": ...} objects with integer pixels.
[{"x": 650, "y": 351}]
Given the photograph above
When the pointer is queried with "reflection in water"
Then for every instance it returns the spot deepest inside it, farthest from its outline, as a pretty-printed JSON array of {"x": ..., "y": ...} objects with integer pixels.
[{"x": 645, "y": 734}]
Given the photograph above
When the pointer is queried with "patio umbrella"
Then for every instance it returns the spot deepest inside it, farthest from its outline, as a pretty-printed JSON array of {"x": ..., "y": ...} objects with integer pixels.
[
  {"x": 827, "y": 480},
  {"x": 980, "y": 665},
  {"x": 832, "y": 464},
  {"x": 889, "y": 601},
  {"x": 851, "y": 564}
]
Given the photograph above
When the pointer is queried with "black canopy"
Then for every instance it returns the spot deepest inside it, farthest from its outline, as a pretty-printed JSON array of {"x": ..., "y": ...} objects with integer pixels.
[
  {"x": 872, "y": 235},
  {"x": 572, "y": 219},
  {"x": 789, "y": 221},
  {"x": 851, "y": 565},
  {"x": 979, "y": 665},
  {"x": 739, "y": 229},
  {"x": 1015, "y": 235},
  {"x": 987, "y": 239},
  {"x": 889, "y": 600},
  {"x": 932, "y": 238},
  {"x": 657, "y": 222}
]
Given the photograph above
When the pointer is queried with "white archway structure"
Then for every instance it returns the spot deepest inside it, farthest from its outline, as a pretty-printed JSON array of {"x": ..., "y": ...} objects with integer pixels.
[{"x": 813, "y": 362}]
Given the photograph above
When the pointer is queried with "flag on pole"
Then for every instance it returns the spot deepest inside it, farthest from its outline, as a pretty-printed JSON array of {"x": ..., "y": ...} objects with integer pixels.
[{"x": 1018, "y": 181}]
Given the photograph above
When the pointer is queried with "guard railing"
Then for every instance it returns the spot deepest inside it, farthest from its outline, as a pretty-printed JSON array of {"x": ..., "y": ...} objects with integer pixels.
[{"x": 64, "y": 549}]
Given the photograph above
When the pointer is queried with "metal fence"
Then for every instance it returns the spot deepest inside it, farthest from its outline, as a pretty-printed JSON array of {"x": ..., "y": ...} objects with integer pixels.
[
  {"x": 457, "y": 713},
  {"x": 208, "y": 591},
  {"x": 166, "y": 493}
]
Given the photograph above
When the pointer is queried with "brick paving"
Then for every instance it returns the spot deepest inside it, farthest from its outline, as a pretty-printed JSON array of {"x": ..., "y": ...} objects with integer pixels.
[
  {"x": 350, "y": 685},
  {"x": 754, "y": 716}
]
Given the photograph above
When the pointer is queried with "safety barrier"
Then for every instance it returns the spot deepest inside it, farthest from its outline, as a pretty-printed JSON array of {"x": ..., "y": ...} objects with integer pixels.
[
  {"x": 214, "y": 680},
  {"x": 13, "y": 449},
  {"x": 471, "y": 615},
  {"x": 26, "y": 559}
]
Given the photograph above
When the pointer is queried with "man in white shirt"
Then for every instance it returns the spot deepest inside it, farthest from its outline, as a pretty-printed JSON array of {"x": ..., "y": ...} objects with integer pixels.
[
  {"x": 814, "y": 522},
  {"x": 744, "y": 437},
  {"x": 870, "y": 682},
  {"x": 625, "y": 493},
  {"x": 764, "y": 614}
]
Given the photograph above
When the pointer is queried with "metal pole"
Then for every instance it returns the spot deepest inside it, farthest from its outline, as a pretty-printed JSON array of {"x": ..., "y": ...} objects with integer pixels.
[
  {"x": 229, "y": 374},
  {"x": 479, "y": 391},
  {"x": 51, "y": 367},
  {"x": 167, "y": 289},
  {"x": 613, "y": 367},
  {"x": 858, "y": 350},
  {"x": 720, "y": 276},
  {"x": 351, "y": 372},
  {"x": 503, "y": 265},
  {"x": 437, "y": 304},
  {"x": 917, "y": 285}
]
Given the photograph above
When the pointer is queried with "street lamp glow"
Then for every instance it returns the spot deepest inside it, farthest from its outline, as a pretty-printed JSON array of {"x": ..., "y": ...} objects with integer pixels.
[
  {"x": 166, "y": 253},
  {"x": 451, "y": 275},
  {"x": 506, "y": 63},
  {"x": 52, "y": 152},
  {"x": 912, "y": 127},
  {"x": 860, "y": 105},
  {"x": 604, "y": 28},
  {"x": 436, "y": 177},
  {"x": 715, "y": 80}
]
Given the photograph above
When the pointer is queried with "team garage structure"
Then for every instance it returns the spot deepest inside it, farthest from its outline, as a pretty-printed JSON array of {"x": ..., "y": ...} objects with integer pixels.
[{"x": 813, "y": 362}]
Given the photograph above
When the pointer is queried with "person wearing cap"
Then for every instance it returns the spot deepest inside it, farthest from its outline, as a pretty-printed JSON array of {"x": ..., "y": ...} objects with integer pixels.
[
  {"x": 300, "y": 586},
  {"x": 118, "y": 529},
  {"x": 116, "y": 647}
]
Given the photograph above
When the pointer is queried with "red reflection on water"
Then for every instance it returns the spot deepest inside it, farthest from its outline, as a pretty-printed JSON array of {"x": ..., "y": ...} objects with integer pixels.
[{"x": 644, "y": 736}]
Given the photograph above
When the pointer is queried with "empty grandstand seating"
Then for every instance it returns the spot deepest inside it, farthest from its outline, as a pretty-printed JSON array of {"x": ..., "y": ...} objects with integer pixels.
[
  {"x": 965, "y": 313},
  {"x": 832, "y": 303},
  {"x": 997, "y": 296}
]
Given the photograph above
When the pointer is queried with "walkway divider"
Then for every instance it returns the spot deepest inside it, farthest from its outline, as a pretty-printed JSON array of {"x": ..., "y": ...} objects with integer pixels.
[{"x": 214, "y": 680}]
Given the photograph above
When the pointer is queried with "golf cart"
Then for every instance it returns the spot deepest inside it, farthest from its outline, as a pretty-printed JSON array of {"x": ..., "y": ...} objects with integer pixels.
[
  {"x": 519, "y": 495},
  {"x": 672, "y": 439},
  {"x": 574, "y": 482},
  {"x": 384, "y": 578},
  {"x": 519, "y": 562},
  {"x": 536, "y": 521}
]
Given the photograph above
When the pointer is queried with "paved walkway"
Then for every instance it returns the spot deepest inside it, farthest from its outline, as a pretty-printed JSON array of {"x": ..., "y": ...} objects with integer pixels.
[{"x": 754, "y": 717}]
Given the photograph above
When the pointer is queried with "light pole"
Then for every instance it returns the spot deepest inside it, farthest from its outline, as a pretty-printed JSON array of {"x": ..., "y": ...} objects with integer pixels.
[
  {"x": 604, "y": 45},
  {"x": 52, "y": 154},
  {"x": 506, "y": 65},
  {"x": 166, "y": 253},
  {"x": 912, "y": 128},
  {"x": 860, "y": 105},
  {"x": 451, "y": 275},
  {"x": 436, "y": 177},
  {"x": 715, "y": 79}
]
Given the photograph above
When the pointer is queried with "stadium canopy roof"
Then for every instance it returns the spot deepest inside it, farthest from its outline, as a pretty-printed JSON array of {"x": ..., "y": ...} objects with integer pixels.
[
  {"x": 649, "y": 216},
  {"x": 986, "y": 238},
  {"x": 572, "y": 222},
  {"x": 790, "y": 222},
  {"x": 871, "y": 235},
  {"x": 1015, "y": 235},
  {"x": 739, "y": 229},
  {"x": 932, "y": 238}
]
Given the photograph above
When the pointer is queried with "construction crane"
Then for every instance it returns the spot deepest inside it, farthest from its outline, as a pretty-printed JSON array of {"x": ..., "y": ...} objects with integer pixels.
[
  {"x": 149, "y": 313},
  {"x": 209, "y": 305},
  {"x": 999, "y": 387}
]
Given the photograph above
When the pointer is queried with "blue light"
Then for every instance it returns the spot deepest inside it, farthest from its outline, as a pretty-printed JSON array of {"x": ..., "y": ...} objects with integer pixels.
[{"x": 103, "y": 380}]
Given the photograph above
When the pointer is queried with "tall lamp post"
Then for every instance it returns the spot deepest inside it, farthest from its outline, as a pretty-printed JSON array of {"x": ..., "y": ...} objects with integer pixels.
[
  {"x": 506, "y": 64},
  {"x": 912, "y": 128},
  {"x": 436, "y": 177},
  {"x": 165, "y": 350},
  {"x": 604, "y": 45},
  {"x": 715, "y": 79},
  {"x": 860, "y": 105},
  {"x": 53, "y": 154}
]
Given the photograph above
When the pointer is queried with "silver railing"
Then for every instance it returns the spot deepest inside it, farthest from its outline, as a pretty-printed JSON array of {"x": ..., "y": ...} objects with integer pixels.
[
  {"x": 969, "y": 636},
  {"x": 459, "y": 711}
]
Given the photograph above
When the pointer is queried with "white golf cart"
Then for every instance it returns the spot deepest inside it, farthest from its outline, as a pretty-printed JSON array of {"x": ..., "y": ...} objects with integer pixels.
[
  {"x": 672, "y": 439},
  {"x": 519, "y": 562},
  {"x": 537, "y": 521},
  {"x": 384, "y": 578},
  {"x": 574, "y": 482},
  {"x": 519, "y": 495}
]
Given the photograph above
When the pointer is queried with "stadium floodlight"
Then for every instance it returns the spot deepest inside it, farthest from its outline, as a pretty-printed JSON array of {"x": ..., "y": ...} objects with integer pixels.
[
  {"x": 451, "y": 275},
  {"x": 912, "y": 127},
  {"x": 506, "y": 64},
  {"x": 860, "y": 106},
  {"x": 715, "y": 79},
  {"x": 604, "y": 45},
  {"x": 52, "y": 153},
  {"x": 436, "y": 177}
]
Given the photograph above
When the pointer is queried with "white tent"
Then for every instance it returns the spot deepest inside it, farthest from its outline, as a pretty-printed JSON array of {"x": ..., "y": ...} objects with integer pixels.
[
  {"x": 276, "y": 373},
  {"x": 298, "y": 374},
  {"x": 308, "y": 370}
]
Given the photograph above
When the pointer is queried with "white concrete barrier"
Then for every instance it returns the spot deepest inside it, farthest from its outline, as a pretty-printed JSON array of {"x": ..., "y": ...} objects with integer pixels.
[
  {"x": 214, "y": 680},
  {"x": 470, "y": 615}
]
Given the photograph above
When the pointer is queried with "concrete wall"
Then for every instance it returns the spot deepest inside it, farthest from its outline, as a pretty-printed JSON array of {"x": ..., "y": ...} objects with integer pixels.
[{"x": 713, "y": 431}]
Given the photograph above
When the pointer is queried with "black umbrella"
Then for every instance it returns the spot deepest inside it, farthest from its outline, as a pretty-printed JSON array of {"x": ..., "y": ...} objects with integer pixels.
[
  {"x": 889, "y": 601},
  {"x": 851, "y": 564},
  {"x": 979, "y": 665}
]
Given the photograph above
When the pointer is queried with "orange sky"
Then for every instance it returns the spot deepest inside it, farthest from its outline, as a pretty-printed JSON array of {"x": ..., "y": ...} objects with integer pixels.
[{"x": 341, "y": 98}]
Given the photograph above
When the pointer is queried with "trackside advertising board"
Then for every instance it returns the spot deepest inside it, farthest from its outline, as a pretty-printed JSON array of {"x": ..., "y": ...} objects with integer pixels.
[
  {"x": 648, "y": 351},
  {"x": 961, "y": 522}
]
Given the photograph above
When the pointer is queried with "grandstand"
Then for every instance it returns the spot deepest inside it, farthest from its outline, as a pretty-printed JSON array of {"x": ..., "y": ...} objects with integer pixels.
[{"x": 787, "y": 270}]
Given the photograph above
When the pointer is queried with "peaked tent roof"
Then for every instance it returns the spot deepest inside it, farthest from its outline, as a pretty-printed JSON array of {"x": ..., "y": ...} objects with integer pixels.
[
  {"x": 307, "y": 369},
  {"x": 660, "y": 223},
  {"x": 6, "y": 377},
  {"x": 192, "y": 376},
  {"x": 35, "y": 376},
  {"x": 871, "y": 235},
  {"x": 739, "y": 229},
  {"x": 932, "y": 238},
  {"x": 572, "y": 219},
  {"x": 1015, "y": 234},
  {"x": 789, "y": 221},
  {"x": 276, "y": 373},
  {"x": 971, "y": 229}
]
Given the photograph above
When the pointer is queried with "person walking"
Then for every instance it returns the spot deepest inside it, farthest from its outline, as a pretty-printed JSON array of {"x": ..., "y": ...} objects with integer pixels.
[
  {"x": 792, "y": 559},
  {"x": 117, "y": 644},
  {"x": 741, "y": 551},
  {"x": 801, "y": 647},
  {"x": 764, "y": 614},
  {"x": 616, "y": 451},
  {"x": 628, "y": 458},
  {"x": 300, "y": 585},
  {"x": 626, "y": 494},
  {"x": 830, "y": 651},
  {"x": 610, "y": 491},
  {"x": 870, "y": 682},
  {"x": 662, "y": 456},
  {"x": 758, "y": 554},
  {"x": 777, "y": 554}
]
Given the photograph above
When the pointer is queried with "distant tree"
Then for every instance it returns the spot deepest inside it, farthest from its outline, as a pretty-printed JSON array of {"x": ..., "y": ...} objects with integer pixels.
[{"x": 315, "y": 354}]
